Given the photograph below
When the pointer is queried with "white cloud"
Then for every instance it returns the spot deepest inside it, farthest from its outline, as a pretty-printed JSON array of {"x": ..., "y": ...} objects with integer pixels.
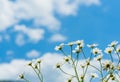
[
  {"x": 33, "y": 54},
  {"x": 49, "y": 60},
  {"x": 9, "y": 71},
  {"x": 20, "y": 40},
  {"x": 4, "y": 37},
  {"x": 41, "y": 11},
  {"x": 7, "y": 16},
  {"x": 34, "y": 35},
  {"x": 9, "y": 52},
  {"x": 1, "y": 39},
  {"x": 57, "y": 38},
  {"x": 89, "y": 2}
]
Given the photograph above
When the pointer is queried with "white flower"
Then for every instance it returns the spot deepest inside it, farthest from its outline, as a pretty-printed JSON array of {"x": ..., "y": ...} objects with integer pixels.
[
  {"x": 113, "y": 44},
  {"x": 58, "y": 65},
  {"x": 59, "y": 47},
  {"x": 81, "y": 46},
  {"x": 96, "y": 51},
  {"x": 69, "y": 80},
  {"x": 71, "y": 43},
  {"x": 77, "y": 50},
  {"x": 108, "y": 50},
  {"x": 38, "y": 60},
  {"x": 108, "y": 65},
  {"x": 30, "y": 63},
  {"x": 88, "y": 62},
  {"x": 80, "y": 42},
  {"x": 83, "y": 65},
  {"x": 99, "y": 57},
  {"x": 118, "y": 67},
  {"x": 82, "y": 76},
  {"x": 118, "y": 48},
  {"x": 94, "y": 75},
  {"x": 92, "y": 45},
  {"x": 21, "y": 76},
  {"x": 67, "y": 58}
]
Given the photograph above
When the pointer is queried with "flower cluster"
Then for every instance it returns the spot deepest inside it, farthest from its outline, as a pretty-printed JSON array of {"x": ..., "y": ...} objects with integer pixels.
[
  {"x": 107, "y": 70},
  {"x": 36, "y": 66}
]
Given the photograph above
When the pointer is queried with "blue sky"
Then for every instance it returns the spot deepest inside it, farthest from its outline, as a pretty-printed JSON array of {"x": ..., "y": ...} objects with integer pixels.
[{"x": 94, "y": 21}]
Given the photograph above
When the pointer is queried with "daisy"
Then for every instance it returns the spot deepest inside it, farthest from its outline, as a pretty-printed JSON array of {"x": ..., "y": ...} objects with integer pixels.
[
  {"x": 59, "y": 47},
  {"x": 113, "y": 44},
  {"x": 94, "y": 75},
  {"x": 109, "y": 50},
  {"x": 92, "y": 45},
  {"x": 118, "y": 49},
  {"x": 96, "y": 51},
  {"x": 99, "y": 57},
  {"x": 80, "y": 42}
]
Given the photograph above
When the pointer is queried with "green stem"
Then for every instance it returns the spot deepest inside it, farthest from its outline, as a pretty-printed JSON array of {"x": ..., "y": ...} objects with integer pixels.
[
  {"x": 26, "y": 80},
  {"x": 111, "y": 57},
  {"x": 117, "y": 74},
  {"x": 117, "y": 55},
  {"x": 37, "y": 74},
  {"x": 66, "y": 72},
  {"x": 91, "y": 79},
  {"x": 76, "y": 73},
  {"x": 95, "y": 68},
  {"x": 90, "y": 56},
  {"x": 101, "y": 70},
  {"x": 85, "y": 73},
  {"x": 39, "y": 70},
  {"x": 71, "y": 51},
  {"x": 108, "y": 79},
  {"x": 83, "y": 54},
  {"x": 77, "y": 59},
  {"x": 63, "y": 52},
  {"x": 74, "y": 66}
]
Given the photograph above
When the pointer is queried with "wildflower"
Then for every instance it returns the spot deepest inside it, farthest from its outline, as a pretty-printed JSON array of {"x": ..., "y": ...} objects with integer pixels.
[
  {"x": 81, "y": 46},
  {"x": 35, "y": 66},
  {"x": 67, "y": 59},
  {"x": 94, "y": 75},
  {"x": 113, "y": 44},
  {"x": 77, "y": 50},
  {"x": 118, "y": 49},
  {"x": 81, "y": 76},
  {"x": 38, "y": 61},
  {"x": 108, "y": 65},
  {"x": 59, "y": 47},
  {"x": 105, "y": 80},
  {"x": 82, "y": 65},
  {"x": 118, "y": 67},
  {"x": 113, "y": 78},
  {"x": 111, "y": 75},
  {"x": 99, "y": 57},
  {"x": 71, "y": 43},
  {"x": 69, "y": 80},
  {"x": 92, "y": 45},
  {"x": 109, "y": 50},
  {"x": 30, "y": 64},
  {"x": 58, "y": 65},
  {"x": 79, "y": 42},
  {"x": 88, "y": 62},
  {"x": 96, "y": 51},
  {"x": 21, "y": 76}
]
